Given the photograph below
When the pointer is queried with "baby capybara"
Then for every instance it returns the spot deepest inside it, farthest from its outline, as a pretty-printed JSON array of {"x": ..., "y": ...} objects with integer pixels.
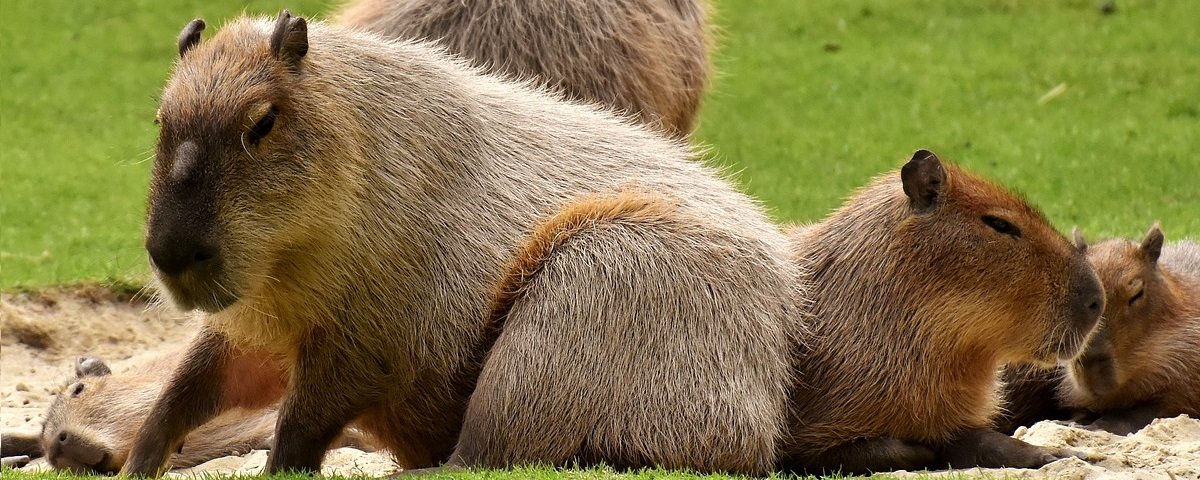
[{"x": 1144, "y": 360}]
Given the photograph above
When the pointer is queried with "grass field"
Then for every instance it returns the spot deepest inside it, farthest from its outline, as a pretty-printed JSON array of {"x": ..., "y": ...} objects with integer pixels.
[
  {"x": 1096, "y": 118},
  {"x": 814, "y": 97}
]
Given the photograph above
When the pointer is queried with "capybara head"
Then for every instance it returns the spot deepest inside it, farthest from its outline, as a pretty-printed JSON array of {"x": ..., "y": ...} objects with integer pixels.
[
  {"x": 983, "y": 252},
  {"x": 230, "y": 170},
  {"x": 91, "y": 424},
  {"x": 1129, "y": 343}
]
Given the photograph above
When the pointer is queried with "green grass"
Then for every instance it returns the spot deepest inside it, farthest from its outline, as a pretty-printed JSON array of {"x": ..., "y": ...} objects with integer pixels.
[{"x": 814, "y": 97}]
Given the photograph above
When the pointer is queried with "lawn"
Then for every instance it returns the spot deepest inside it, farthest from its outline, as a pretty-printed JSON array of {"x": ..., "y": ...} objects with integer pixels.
[
  {"x": 1094, "y": 117},
  {"x": 812, "y": 99}
]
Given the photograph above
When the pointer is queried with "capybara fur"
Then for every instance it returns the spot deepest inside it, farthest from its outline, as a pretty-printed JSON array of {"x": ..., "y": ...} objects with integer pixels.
[
  {"x": 91, "y": 423},
  {"x": 343, "y": 208},
  {"x": 647, "y": 58},
  {"x": 1030, "y": 395},
  {"x": 1144, "y": 360},
  {"x": 924, "y": 283}
]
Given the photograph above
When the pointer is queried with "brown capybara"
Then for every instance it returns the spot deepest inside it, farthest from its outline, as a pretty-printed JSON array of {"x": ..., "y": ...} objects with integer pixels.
[
  {"x": 92, "y": 422},
  {"x": 1144, "y": 360},
  {"x": 924, "y": 283},
  {"x": 648, "y": 58},
  {"x": 342, "y": 208}
]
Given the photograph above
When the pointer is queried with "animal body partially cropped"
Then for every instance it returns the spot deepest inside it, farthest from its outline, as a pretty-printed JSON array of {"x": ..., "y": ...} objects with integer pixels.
[
  {"x": 343, "y": 208},
  {"x": 648, "y": 58},
  {"x": 924, "y": 283},
  {"x": 1144, "y": 361},
  {"x": 90, "y": 425}
]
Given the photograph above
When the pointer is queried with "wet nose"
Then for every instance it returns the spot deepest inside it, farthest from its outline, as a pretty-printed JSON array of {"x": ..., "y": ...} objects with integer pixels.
[{"x": 172, "y": 255}]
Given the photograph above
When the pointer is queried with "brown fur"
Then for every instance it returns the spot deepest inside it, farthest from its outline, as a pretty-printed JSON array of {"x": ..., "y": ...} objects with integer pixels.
[
  {"x": 645, "y": 57},
  {"x": 343, "y": 217},
  {"x": 1144, "y": 361},
  {"x": 917, "y": 303}
]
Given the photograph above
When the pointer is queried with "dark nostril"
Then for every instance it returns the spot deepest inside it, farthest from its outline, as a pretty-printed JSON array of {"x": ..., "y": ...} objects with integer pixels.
[
  {"x": 63, "y": 437},
  {"x": 1094, "y": 307},
  {"x": 202, "y": 256}
]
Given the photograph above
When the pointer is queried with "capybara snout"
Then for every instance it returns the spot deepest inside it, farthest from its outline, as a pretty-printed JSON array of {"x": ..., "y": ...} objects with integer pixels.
[
  {"x": 1086, "y": 304},
  {"x": 180, "y": 230},
  {"x": 78, "y": 452}
]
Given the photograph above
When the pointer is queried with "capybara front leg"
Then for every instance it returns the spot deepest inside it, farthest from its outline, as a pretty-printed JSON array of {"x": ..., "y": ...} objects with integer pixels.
[
  {"x": 326, "y": 392},
  {"x": 867, "y": 455},
  {"x": 987, "y": 448},
  {"x": 191, "y": 398}
]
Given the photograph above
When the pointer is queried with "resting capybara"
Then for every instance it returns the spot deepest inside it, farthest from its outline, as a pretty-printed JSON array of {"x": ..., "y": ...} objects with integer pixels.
[
  {"x": 343, "y": 208},
  {"x": 1144, "y": 360},
  {"x": 924, "y": 283},
  {"x": 1030, "y": 395},
  {"x": 91, "y": 424},
  {"x": 645, "y": 57}
]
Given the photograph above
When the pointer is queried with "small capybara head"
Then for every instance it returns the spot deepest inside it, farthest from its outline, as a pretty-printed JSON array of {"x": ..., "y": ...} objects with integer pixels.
[
  {"x": 91, "y": 424},
  {"x": 983, "y": 252},
  {"x": 1128, "y": 345},
  {"x": 230, "y": 169}
]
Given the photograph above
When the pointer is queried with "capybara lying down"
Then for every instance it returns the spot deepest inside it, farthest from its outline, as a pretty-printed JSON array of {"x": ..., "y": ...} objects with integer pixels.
[
  {"x": 92, "y": 422},
  {"x": 924, "y": 283},
  {"x": 342, "y": 208},
  {"x": 648, "y": 58},
  {"x": 1144, "y": 360}
]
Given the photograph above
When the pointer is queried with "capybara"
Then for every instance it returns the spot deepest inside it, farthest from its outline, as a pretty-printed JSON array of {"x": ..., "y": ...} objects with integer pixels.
[
  {"x": 648, "y": 58},
  {"x": 924, "y": 283},
  {"x": 342, "y": 208},
  {"x": 91, "y": 424},
  {"x": 1144, "y": 360}
]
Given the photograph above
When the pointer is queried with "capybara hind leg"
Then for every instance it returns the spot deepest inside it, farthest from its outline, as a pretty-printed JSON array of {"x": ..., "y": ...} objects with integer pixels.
[
  {"x": 327, "y": 390},
  {"x": 192, "y": 397},
  {"x": 630, "y": 345},
  {"x": 983, "y": 447},
  {"x": 867, "y": 455}
]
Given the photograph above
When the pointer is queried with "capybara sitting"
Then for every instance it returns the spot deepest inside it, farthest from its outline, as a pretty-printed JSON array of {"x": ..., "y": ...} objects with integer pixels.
[
  {"x": 925, "y": 283},
  {"x": 343, "y": 208},
  {"x": 1144, "y": 360},
  {"x": 645, "y": 57}
]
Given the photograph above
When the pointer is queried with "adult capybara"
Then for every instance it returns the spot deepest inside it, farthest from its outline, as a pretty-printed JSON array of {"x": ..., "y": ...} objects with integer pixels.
[
  {"x": 645, "y": 57},
  {"x": 924, "y": 283},
  {"x": 342, "y": 208},
  {"x": 1144, "y": 360}
]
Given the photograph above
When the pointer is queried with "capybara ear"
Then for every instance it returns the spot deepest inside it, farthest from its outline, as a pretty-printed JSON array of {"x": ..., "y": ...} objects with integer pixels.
[
  {"x": 1152, "y": 244},
  {"x": 91, "y": 367},
  {"x": 190, "y": 36},
  {"x": 1080, "y": 242},
  {"x": 289, "y": 43},
  {"x": 924, "y": 180}
]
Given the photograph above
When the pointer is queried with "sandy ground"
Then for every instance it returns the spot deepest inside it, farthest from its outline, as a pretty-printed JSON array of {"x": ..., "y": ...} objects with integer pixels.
[{"x": 41, "y": 335}]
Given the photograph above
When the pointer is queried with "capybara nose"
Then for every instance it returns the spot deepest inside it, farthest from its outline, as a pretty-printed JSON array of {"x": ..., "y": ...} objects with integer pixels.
[
  {"x": 173, "y": 256},
  {"x": 1087, "y": 303},
  {"x": 75, "y": 449}
]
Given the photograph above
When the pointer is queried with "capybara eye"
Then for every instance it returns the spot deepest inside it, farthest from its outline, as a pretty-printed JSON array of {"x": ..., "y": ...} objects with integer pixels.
[
  {"x": 1000, "y": 225},
  {"x": 263, "y": 126},
  {"x": 77, "y": 389},
  {"x": 1137, "y": 296}
]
